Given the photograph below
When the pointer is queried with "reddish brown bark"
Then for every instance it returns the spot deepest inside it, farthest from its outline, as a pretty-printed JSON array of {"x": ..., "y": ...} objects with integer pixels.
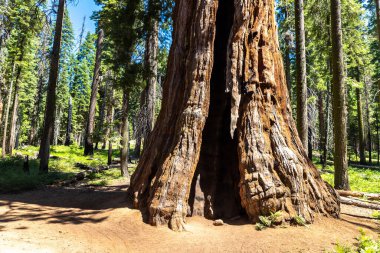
[{"x": 224, "y": 153}]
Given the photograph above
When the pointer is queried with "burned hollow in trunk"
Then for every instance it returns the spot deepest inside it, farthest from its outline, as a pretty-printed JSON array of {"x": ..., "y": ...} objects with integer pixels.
[
  {"x": 225, "y": 142},
  {"x": 215, "y": 192}
]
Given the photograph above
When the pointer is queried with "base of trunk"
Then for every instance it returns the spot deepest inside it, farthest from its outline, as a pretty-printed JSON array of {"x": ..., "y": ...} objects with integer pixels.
[{"x": 221, "y": 154}]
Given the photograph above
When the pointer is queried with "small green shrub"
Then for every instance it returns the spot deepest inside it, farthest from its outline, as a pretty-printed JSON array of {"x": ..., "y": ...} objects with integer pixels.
[
  {"x": 299, "y": 220},
  {"x": 376, "y": 215},
  {"x": 269, "y": 221}
]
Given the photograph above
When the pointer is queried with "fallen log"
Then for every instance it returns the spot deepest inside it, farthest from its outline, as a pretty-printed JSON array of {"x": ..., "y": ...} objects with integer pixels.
[
  {"x": 358, "y": 203},
  {"x": 370, "y": 196}
]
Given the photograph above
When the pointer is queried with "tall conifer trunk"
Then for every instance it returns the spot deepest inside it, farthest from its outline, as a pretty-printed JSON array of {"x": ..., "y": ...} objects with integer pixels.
[
  {"x": 361, "y": 126},
  {"x": 225, "y": 135},
  {"x": 69, "y": 128},
  {"x": 302, "y": 118},
  {"x": 339, "y": 99},
  {"x": 51, "y": 92},
  {"x": 151, "y": 49},
  {"x": 124, "y": 153},
  {"x": 88, "y": 139},
  {"x": 6, "y": 117}
]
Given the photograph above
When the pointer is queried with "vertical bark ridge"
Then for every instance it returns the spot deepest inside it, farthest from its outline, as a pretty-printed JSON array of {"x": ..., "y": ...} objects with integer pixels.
[
  {"x": 275, "y": 173},
  {"x": 174, "y": 159}
]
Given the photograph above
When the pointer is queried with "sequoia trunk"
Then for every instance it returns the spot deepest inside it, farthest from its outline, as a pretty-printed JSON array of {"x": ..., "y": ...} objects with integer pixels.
[{"x": 225, "y": 142}]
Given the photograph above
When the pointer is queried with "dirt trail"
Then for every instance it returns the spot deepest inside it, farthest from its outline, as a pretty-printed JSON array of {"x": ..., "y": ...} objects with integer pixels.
[{"x": 99, "y": 220}]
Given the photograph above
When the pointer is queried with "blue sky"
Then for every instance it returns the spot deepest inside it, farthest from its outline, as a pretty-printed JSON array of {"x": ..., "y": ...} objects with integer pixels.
[{"x": 78, "y": 9}]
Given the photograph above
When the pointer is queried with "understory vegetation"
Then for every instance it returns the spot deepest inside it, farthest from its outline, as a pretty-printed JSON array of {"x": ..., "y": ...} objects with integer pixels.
[
  {"x": 13, "y": 178},
  {"x": 366, "y": 244}
]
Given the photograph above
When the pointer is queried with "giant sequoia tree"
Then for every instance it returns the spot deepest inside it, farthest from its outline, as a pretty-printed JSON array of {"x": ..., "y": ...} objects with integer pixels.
[{"x": 225, "y": 141}]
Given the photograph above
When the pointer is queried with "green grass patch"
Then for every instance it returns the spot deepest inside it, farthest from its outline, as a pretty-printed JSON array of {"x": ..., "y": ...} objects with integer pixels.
[
  {"x": 362, "y": 180},
  {"x": 366, "y": 244},
  {"x": 61, "y": 167}
]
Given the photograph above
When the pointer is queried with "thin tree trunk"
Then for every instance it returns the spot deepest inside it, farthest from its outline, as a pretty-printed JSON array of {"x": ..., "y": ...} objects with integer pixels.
[
  {"x": 57, "y": 129},
  {"x": 88, "y": 144},
  {"x": 141, "y": 123},
  {"x": 302, "y": 125},
  {"x": 377, "y": 2},
  {"x": 124, "y": 154},
  {"x": 322, "y": 125},
  {"x": 288, "y": 41},
  {"x": 110, "y": 116},
  {"x": 51, "y": 93},
  {"x": 12, "y": 134},
  {"x": 361, "y": 127},
  {"x": 288, "y": 66},
  {"x": 339, "y": 99},
  {"x": 368, "y": 119},
  {"x": 378, "y": 138},
  {"x": 37, "y": 110},
  {"x": 151, "y": 66},
  {"x": 327, "y": 127},
  {"x": 242, "y": 145},
  {"x": 5, "y": 130},
  {"x": 102, "y": 113},
  {"x": 69, "y": 130}
]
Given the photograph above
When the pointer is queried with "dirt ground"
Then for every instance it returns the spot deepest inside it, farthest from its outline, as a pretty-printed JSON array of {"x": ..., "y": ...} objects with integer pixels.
[{"x": 100, "y": 220}]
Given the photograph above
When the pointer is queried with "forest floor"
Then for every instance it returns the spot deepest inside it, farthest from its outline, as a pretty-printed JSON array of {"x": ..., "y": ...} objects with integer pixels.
[{"x": 99, "y": 219}]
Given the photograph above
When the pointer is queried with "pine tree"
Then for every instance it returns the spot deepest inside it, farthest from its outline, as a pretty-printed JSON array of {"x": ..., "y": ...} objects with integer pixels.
[{"x": 51, "y": 93}]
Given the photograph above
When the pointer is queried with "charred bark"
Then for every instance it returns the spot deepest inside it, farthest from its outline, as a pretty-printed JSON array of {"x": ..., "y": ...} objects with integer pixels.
[{"x": 223, "y": 153}]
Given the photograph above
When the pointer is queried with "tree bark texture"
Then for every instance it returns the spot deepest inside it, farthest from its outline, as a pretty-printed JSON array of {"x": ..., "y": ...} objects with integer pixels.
[
  {"x": 339, "y": 99},
  {"x": 218, "y": 153},
  {"x": 69, "y": 128},
  {"x": 12, "y": 134},
  {"x": 88, "y": 139},
  {"x": 151, "y": 50},
  {"x": 377, "y": 2},
  {"x": 368, "y": 119},
  {"x": 322, "y": 125},
  {"x": 110, "y": 116},
  {"x": 124, "y": 154},
  {"x": 302, "y": 119},
  {"x": 102, "y": 112},
  {"x": 361, "y": 127},
  {"x": 5, "y": 129},
  {"x": 51, "y": 92},
  {"x": 57, "y": 128}
]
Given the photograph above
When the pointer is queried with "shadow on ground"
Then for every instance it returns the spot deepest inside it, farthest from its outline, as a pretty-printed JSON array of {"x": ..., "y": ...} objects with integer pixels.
[{"x": 62, "y": 205}]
